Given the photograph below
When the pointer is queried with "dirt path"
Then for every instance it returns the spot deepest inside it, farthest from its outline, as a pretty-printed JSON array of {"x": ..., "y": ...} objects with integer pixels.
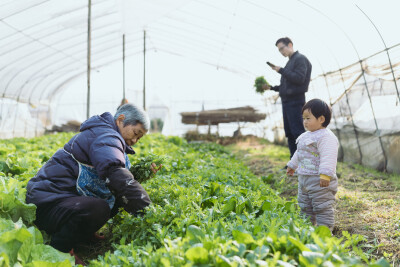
[{"x": 367, "y": 203}]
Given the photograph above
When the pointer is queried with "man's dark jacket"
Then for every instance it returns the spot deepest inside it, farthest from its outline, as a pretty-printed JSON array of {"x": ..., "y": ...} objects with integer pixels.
[
  {"x": 295, "y": 78},
  {"x": 98, "y": 144}
]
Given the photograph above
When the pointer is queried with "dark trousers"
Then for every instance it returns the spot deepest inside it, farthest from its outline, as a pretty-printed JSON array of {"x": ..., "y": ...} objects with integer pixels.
[
  {"x": 73, "y": 220},
  {"x": 293, "y": 122}
]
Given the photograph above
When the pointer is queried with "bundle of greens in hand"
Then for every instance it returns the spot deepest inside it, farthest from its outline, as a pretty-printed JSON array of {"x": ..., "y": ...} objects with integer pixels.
[
  {"x": 258, "y": 84},
  {"x": 141, "y": 167}
]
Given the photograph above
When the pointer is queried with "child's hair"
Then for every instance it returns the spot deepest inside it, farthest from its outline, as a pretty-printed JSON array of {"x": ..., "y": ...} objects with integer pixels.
[{"x": 319, "y": 108}]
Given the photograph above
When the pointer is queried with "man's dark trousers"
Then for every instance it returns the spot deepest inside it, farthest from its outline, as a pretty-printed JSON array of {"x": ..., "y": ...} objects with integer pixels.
[{"x": 293, "y": 122}]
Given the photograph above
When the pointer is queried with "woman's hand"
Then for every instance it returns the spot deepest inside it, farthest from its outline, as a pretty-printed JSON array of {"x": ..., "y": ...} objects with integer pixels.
[{"x": 154, "y": 168}]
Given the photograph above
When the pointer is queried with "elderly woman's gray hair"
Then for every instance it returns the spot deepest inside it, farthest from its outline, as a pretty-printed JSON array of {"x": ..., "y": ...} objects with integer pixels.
[{"x": 133, "y": 115}]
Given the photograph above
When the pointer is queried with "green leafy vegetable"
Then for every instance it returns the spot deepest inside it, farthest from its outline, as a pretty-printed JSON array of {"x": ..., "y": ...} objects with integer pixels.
[
  {"x": 207, "y": 209},
  {"x": 141, "y": 168},
  {"x": 258, "y": 84},
  {"x": 21, "y": 246}
]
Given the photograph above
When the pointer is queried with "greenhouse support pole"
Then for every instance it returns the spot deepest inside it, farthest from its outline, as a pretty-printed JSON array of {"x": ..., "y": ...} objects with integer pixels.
[
  {"x": 88, "y": 58},
  {"x": 351, "y": 116},
  {"x": 394, "y": 78},
  {"x": 363, "y": 74},
  {"x": 144, "y": 70},
  {"x": 37, "y": 113},
  {"x": 29, "y": 103},
  {"x": 387, "y": 52},
  {"x": 37, "y": 118},
  {"x": 16, "y": 116},
  {"x": 123, "y": 67},
  {"x": 373, "y": 114},
  {"x": 333, "y": 114}
]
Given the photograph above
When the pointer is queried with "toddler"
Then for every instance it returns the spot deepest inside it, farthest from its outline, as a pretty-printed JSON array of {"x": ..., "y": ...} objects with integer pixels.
[{"x": 315, "y": 163}]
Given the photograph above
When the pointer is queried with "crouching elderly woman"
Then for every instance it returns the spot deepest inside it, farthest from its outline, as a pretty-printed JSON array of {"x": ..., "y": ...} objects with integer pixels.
[{"x": 84, "y": 184}]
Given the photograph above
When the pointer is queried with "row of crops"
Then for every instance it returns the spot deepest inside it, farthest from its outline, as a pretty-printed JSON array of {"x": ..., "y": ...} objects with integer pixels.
[{"x": 208, "y": 210}]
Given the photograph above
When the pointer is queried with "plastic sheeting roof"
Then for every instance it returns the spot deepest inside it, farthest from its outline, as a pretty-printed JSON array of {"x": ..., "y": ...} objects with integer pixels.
[{"x": 43, "y": 43}]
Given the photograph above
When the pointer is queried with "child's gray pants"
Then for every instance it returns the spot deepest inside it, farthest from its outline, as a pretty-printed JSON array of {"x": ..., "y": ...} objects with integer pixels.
[{"x": 315, "y": 201}]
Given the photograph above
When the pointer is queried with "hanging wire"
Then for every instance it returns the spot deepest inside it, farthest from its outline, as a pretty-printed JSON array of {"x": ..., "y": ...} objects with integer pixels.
[
  {"x": 171, "y": 11},
  {"x": 255, "y": 23},
  {"x": 227, "y": 35},
  {"x": 258, "y": 6},
  {"x": 387, "y": 52},
  {"x": 60, "y": 87},
  {"x": 245, "y": 1},
  {"x": 43, "y": 44},
  {"x": 38, "y": 62},
  {"x": 78, "y": 72},
  {"x": 202, "y": 27},
  {"x": 348, "y": 105},
  {"x": 23, "y": 9},
  {"x": 245, "y": 73},
  {"x": 49, "y": 65},
  {"x": 204, "y": 37},
  {"x": 95, "y": 67},
  {"x": 51, "y": 19},
  {"x": 363, "y": 75},
  {"x": 351, "y": 116},
  {"x": 333, "y": 113},
  {"x": 194, "y": 44},
  {"x": 332, "y": 54},
  {"x": 270, "y": 11},
  {"x": 187, "y": 45}
]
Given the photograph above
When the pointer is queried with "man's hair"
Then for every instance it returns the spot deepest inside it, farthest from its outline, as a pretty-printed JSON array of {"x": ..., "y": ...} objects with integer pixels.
[
  {"x": 133, "y": 115},
  {"x": 284, "y": 40},
  {"x": 319, "y": 108}
]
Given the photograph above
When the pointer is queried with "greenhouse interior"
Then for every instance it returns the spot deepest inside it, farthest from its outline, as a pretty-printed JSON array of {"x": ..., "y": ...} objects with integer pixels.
[{"x": 191, "y": 66}]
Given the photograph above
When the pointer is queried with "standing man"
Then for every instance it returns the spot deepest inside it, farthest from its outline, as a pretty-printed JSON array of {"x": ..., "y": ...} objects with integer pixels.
[{"x": 294, "y": 84}]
